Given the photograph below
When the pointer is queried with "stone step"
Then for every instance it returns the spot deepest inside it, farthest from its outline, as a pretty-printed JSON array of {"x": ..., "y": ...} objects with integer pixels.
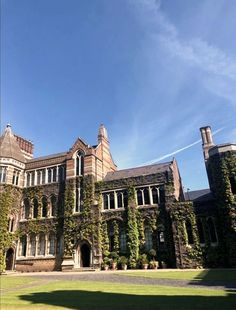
[{"x": 83, "y": 269}]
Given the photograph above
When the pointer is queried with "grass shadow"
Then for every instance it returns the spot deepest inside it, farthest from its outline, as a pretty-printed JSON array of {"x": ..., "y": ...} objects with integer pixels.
[{"x": 86, "y": 300}]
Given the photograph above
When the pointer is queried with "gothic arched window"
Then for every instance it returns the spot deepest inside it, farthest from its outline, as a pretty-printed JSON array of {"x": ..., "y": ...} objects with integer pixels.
[
  {"x": 200, "y": 231},
  {"x": 212, "y": 230},
  {"x": 53, "y": 206},
  {"x": 35, "y": 208},
  {"x": 79, "y": 163},
  {"x": 44, "y": 206},
  {"x": 26, "y": 209},
  {"x": 189, "y": 232}
]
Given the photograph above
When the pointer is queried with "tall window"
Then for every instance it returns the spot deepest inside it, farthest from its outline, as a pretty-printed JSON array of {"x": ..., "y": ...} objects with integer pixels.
[
  {"x": 36, "y": 208},
  {"x": 155, "y": 195},
  {"x": 212, "y": 230},
  {"x": 123, "y": 245},
  {"x": 143, "y": 197},
  {"x": 32, "y": 245},
  {"x": 26, "y": 209},
  {"x": 15, "y": 177},
  {"x": 233, "y": 185},
  {"x": 53, "y": 205},
  {"x": 44, "y": 206},
  {"x": 61, "y": 173},
  {"x": 200, "y": 231},
  {"x": 80, "y": 163},
  {"x": 3, "y": 172},
  {"x": 41, "y": 244},
  {"x": 23, "y": 245},
  {"x": 189, "y": 232},
  {"x": 78, "y": 199},
  {"x": 51, "y": 241},
  {"x": 148, "y": 239},
  {"x": 120, "y": 199}
]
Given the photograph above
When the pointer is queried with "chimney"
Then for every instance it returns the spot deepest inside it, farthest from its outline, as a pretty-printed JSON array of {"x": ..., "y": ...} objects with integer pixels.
[{"x": 207, "y": 141}]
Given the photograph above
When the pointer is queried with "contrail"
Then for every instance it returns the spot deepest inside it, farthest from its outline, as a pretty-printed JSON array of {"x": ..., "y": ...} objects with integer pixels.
[{"x": 153, "y": 161}]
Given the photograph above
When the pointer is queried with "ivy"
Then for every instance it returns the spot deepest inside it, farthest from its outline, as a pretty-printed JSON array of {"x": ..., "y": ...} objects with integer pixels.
[
  {"x": 116, "y": 237},
  {"x": 8, "y": 206},
  {"x": 132, "y": 229}
]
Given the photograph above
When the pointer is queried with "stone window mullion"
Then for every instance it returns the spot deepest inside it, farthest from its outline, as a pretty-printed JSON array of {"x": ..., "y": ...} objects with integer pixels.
[
  {"x": 150, "y": 195},
  {"x": 115, "y": 200}
]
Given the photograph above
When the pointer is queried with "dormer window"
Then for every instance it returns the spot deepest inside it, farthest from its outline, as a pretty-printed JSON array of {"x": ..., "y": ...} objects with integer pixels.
[{"x": 79, "y": 163}]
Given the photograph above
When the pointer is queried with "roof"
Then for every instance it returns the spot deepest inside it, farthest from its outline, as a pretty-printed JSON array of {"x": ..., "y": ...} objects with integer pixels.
[
  {"x": 134, "y": 172},
  {"x": 9, "y": 146},
  {"x": 201, "y": 195},
  {"x": 47, "y": 157}
]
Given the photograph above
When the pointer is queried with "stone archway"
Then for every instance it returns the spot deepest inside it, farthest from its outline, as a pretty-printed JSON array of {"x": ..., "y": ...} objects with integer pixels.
[
  {"x": 10, "y": 259},
  {"x": 85, "y": 255}
]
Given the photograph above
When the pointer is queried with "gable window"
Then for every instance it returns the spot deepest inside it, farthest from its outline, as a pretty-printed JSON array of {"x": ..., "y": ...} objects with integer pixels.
[{"x": 80, "y": 163}]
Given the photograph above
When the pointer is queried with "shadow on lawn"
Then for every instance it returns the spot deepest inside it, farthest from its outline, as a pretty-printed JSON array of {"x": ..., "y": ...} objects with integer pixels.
[
  {"x": 85, "y": 300},
  {"x": 216, "y": 277}
]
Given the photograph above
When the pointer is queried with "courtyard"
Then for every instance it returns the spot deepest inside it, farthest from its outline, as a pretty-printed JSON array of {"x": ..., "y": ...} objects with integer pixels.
[{"x": 132, "y": 289}]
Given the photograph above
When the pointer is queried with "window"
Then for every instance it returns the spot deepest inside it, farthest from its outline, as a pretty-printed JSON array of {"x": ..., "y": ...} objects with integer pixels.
[
  {"x": 32, "y": 245},
  {"x": 80, "y": 163},
  {"x": 78, "y": 200},
  {"x": 41, "y": 244},
  {"x": 148, "y": 239},
  {"x": 26, "y": 209},
  {"x": 123, "y": 245},
  {"x": 51, "y": 244},
  {"x": 233, "y": 185},
  {"x": 160, "y": 238},
  {"x": 53, "y": 205},
  {"x": 212, "y": 230},
  {"x": 155, "y": 195},
  {"x": 15, "y": 177},
  {"x": 61, "y": 173},
  {"x": 189, "y": 232},
  {"x": 200, "y": 231},
  {"x": 3, "y": 172},
  {"x": 44, "y": 206},
  {"x": 120, "y": 199},
  {"x": 23, "y": 246},
  {"x": 35, "y": 208},
  {"x": 143, "y": 197}
]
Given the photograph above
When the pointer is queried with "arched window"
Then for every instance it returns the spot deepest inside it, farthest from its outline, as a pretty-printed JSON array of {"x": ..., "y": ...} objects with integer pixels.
[
  {"x": 41, "y": 244},
  {"x": 44, "y": 206},
  {"x": 23, "y": 245},
  {"x": 53, "y": 205},
  {"x": 32, "y": 245},
  {"x": 148, "y": 238},
  {"x": 35, "y": 208},
  {"x": 189, "y": 232},
  {"x": 200, "y": 231},
  {"x": 212, "y": 230},
  {"x": 51, "y": 241},
  {"x": 79, "y": 163},
  {"x": 26, "y": 209}
]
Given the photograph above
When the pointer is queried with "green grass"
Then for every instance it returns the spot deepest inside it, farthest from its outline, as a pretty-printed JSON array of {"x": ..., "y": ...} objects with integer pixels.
[
  {"x": 202, "y": 275},
  {"x": 7, "y": 282},
  {"x": 98, "y": 295}
]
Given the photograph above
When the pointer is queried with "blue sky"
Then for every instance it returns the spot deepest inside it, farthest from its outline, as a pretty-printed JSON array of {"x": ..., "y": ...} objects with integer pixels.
[{"x": 152, "y": 71}]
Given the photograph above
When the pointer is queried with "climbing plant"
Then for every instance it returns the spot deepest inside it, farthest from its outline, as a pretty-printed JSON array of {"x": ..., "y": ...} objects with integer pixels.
[
  {"x": 132, "y": 229},
  {"x": 9, "y": 200}
]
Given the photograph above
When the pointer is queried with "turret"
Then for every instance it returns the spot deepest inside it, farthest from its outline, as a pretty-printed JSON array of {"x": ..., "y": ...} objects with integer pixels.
[{"x": 207, "y": 141}]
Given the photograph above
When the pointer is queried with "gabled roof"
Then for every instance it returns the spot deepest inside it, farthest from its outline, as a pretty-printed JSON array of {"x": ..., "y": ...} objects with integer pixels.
[
  {"x": 9, "y": 146},
  {"x": 139, "y": 171},
  {"x": 201, "y": 195}
]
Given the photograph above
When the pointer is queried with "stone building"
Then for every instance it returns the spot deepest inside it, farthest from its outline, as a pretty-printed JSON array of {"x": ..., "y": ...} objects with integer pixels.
[{"x": 75, "y": 210}]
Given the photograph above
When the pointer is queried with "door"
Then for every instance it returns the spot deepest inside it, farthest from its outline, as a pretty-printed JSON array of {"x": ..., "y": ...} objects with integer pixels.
[{"x": 85, "y": 255}]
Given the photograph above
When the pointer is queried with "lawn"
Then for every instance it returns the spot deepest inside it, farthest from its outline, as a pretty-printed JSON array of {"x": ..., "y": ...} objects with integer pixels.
[
  {"x": 216, "y": 275},
  {"x": 85, "y": 295}
]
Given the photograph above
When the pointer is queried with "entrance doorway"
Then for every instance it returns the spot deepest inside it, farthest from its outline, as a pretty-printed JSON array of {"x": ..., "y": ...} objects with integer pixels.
[
  {"x": 85, "y": 255},
  {"x": 9, "y": 259}
]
